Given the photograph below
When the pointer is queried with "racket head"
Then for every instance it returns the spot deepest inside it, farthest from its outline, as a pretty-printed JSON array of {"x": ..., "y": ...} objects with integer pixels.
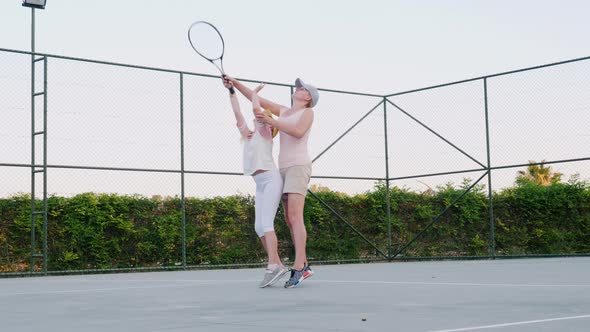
[{"x": 206, "y": 40}]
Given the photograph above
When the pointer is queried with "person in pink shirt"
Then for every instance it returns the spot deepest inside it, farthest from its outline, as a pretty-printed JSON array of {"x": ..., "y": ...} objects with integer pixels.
[
  {"x": 259, "y": 163},
  {"x": 294, "y": 124}
]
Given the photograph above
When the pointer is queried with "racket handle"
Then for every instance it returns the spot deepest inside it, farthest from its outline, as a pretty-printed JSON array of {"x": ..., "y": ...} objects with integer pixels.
[{"x": 231, "y": 90}]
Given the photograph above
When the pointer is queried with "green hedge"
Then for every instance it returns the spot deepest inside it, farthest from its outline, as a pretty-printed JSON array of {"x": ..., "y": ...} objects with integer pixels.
[{"x": 90, "y": 230}]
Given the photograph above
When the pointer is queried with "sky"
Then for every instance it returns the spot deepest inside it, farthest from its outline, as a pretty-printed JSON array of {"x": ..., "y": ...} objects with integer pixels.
[
  {"x": 377, "y": 47},
  {"x": 373, "y": 46}
]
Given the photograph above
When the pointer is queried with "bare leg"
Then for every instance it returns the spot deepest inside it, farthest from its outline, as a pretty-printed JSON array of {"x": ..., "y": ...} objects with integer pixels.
[
  {"x": 286, "y": 208},
  {"x": 294, "y": 211},
  {"x": 263, "y": 241},
  {"x": 271, "y": 247},
  {"x": 287, "y": 220}
]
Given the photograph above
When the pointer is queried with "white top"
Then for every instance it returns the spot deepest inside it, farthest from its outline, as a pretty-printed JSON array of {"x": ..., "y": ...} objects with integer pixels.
[
  {"x": 258, "y": 154},
  {"x": 258, "y": 149}
]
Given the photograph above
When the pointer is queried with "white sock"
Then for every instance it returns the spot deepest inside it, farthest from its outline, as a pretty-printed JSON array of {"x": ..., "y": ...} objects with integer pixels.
[{"x": 272, "y": 267}]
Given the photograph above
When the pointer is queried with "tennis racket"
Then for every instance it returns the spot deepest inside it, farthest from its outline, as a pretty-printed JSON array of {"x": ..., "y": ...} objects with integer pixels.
[{"x": 207, "y": 41}]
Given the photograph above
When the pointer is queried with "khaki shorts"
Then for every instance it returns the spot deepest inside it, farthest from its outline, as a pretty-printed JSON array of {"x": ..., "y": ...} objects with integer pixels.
[{"x": 296, "y": 179}]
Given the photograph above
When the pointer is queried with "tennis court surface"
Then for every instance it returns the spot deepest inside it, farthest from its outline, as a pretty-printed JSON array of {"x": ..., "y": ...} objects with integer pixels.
[{"x": 544, "y": 294}]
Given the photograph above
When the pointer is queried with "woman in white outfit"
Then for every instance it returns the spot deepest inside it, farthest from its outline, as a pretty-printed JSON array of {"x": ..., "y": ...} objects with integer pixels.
[{"x": 259, "y": 163}]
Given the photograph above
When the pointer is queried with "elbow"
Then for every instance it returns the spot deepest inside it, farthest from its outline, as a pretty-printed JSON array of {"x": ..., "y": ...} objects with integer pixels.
[{"x": 298, "y": 134}]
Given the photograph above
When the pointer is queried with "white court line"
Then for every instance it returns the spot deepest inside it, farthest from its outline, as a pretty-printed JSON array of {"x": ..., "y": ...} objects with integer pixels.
[
  {"x": 205, "y": 283},
  {"x": 443, "y": 283},
  {"x": 513, "y": 324},
  {"x": 148, "y": 280}
]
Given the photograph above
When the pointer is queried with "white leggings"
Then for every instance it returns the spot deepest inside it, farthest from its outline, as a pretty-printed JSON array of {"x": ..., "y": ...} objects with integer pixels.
[{"x": 269, "y": 189}]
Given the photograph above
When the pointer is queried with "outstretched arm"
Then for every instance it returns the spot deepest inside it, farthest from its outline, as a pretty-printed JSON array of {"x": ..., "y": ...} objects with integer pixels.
[
  {"x": 247, "y": 92},
  {"x": 235, "y": 105},
  {"x": 297, "y": 130}
]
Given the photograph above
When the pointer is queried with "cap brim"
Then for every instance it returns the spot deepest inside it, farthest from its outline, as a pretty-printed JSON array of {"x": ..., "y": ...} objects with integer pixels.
[{"x": 299, "y": 83}]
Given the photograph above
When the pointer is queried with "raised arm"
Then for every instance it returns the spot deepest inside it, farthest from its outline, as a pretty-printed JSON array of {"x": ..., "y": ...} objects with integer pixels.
[
  {"x": 256, "y": 107},
  {"x": 264, "y": 129},
  {"x": 235, "y": 105},
  {"x": 247, "y": 92}
]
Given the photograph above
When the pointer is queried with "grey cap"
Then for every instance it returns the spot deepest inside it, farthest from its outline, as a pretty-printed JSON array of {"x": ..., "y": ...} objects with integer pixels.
[{"x": 315, "y": 95}]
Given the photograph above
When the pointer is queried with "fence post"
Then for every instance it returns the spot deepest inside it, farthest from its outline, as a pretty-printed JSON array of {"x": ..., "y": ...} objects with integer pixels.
[
  {"x": 182, "y": 203},
  {"x": 490, "y": 196},
  {"x": 387, "y": 197}
]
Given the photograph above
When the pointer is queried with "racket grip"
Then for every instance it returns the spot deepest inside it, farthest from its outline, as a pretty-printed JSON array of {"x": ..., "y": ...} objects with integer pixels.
[{"x": 231, "y": 90}]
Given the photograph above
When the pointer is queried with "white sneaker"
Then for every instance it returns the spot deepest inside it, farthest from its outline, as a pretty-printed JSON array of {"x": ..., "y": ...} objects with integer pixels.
[{"x": 271, "y": 276}]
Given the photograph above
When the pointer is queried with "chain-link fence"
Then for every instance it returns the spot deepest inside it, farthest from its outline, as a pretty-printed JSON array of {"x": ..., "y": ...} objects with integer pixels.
[{"x": 412, "y": 174}]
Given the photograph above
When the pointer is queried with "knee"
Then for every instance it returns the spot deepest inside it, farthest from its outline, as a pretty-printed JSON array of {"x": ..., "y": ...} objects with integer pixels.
[
  {"x": 259, "y": 230},
  {"x": 294, "y": 217}
]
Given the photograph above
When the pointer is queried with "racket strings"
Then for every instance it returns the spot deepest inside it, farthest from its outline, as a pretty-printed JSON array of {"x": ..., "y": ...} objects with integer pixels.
[{"x": 206, "y": 40}]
